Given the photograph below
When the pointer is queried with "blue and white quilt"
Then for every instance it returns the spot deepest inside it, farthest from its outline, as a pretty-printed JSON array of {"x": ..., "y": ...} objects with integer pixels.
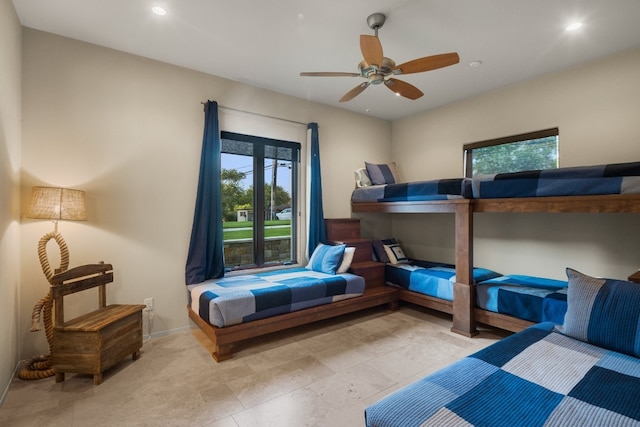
[
  {"x": 441, "y": 189},
  {"x": 237, "y": 299},
  {"x": 615, "y": 178},
  {"x": 536, "y": 377},
  {"x": 430, "y": 278},
  {"x": 531, "y": 298}
]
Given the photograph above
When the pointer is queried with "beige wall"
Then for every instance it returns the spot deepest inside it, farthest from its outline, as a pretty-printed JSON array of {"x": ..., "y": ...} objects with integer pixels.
[
  {"x": 10, "y": 138},
  {"x": 596, "y": 108},
  {"x": 128, "y": 131}
]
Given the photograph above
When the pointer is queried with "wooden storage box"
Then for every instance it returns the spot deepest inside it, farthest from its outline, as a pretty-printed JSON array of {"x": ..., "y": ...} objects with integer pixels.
[{"x": 93, "y": 343}]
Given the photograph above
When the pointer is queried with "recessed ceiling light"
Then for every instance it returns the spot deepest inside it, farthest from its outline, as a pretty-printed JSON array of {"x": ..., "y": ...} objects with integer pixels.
[
  {"x": 475, "y": 64},
  {"x": 574, "y": 26},
  {"x": 159, "y": 10}
]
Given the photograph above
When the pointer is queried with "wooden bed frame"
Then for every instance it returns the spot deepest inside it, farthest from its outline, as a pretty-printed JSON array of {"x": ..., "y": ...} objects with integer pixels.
[
  {"x": 224, "y": 339},
  {"x": 465, "y": 314}
]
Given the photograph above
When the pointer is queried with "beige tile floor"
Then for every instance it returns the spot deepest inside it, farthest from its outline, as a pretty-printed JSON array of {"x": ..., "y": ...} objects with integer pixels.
[{"x": 323, "y": 374}]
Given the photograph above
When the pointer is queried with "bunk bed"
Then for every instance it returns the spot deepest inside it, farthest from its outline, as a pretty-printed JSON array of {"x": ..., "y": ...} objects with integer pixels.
[{"x": 591, "y": 189}]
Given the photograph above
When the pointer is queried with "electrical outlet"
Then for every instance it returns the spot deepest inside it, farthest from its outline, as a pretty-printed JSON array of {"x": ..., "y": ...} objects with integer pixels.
[{"x": 149, "y": 304}]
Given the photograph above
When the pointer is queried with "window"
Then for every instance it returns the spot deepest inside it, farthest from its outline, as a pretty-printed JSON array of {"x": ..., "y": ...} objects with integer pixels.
[
  {"x": 528, "y": 151},
  {"x": 258, "y": 226}
]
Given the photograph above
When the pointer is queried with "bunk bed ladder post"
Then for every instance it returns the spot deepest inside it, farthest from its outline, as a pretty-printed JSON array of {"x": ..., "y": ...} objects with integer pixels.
[{"x": 464, "y": 289}]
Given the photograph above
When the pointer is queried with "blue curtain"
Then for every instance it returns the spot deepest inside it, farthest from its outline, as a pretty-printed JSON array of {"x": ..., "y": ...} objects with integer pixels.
[
  {"x": 206, "y": 254},
  {"x": 317, "y": 231}
]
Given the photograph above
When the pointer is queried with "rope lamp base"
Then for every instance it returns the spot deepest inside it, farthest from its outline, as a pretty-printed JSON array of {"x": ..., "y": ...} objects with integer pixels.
[{"x": 39, "y": 367}]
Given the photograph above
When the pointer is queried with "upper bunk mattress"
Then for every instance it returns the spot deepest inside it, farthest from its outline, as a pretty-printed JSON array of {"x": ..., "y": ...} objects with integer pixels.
[
  {"x": 441, "y": 189},
  {"x": 618, "y": 178},
  {"x": 237, "y": 299},
  {"x": 536, "y": 377},
  {"x": 531, "y": 298},
  {"x": 430, "y": 278}
]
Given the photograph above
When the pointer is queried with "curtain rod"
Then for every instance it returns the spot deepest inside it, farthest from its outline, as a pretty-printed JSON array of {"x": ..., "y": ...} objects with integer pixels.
[{"x": 258, "y": 114}]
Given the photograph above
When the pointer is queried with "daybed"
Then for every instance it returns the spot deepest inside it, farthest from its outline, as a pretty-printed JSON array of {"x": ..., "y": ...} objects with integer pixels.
[
  {"x": 235, "y": 308},
  {"x": 590, "y": 189},
  {"x": 585, "y": 372}
]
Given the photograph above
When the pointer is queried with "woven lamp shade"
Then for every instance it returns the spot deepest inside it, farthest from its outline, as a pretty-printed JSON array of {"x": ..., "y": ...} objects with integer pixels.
[{"x": 57, "y": 204}]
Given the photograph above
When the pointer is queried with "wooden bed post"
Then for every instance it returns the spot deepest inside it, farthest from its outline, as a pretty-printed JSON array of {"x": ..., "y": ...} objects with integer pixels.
[{"x": 464, "y": 289}]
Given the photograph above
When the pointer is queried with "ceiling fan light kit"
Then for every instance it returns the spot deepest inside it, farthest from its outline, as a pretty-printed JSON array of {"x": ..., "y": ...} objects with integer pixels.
[{"x": 378, "y": 69}]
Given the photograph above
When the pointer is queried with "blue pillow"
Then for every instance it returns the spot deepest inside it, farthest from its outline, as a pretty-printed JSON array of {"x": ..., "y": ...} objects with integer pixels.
[
  {"x": 382, "y": 174},
  {"x": 603, "y": 312},
  {"x": 326, "y": 258}
]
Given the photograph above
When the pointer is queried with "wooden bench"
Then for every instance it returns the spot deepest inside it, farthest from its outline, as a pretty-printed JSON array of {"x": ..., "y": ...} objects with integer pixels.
[{"x": 93, "y": 342}]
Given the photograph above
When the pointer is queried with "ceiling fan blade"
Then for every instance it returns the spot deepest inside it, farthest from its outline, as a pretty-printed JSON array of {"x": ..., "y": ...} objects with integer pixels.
[
  {"x": 403, "y": 88},
  {"x": 427, "y": 63},
  {"x": 354, "y": 92},
  {"x": 328, "y": 74},
  {"x": 371, "y": 49}
]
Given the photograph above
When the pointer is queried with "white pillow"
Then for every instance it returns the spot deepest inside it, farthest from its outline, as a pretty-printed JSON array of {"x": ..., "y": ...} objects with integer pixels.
[
  {"x": 362, "y": 178},
  {"x": 346, "y": 259}
]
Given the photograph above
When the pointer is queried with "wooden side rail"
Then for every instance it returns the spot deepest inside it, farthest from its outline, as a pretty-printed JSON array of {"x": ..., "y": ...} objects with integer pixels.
[{"x": 95, "y": 341}]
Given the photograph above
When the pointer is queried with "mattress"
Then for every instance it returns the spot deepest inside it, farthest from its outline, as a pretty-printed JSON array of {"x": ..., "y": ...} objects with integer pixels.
[
  {"x": 441, "y": 189},
  {"x": 531, "y": 298},
  {"x": 430, "y": 278},
  {"x": 615, "y": 178},
  {"x": 536, "y": 377},
  {"x": 236, "y": 299}
]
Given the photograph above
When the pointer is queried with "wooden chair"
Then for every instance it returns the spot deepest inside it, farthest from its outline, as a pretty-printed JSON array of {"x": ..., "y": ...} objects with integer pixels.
[{"x": 93, "y": 342}]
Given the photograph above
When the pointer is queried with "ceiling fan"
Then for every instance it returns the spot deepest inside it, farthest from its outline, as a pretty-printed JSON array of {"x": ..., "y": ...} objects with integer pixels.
[{"x": 378, "y": 69}]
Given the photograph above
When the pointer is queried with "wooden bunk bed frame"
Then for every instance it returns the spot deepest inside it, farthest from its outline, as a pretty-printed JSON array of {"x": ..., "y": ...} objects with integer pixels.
[{"x": 465, "y": 314}]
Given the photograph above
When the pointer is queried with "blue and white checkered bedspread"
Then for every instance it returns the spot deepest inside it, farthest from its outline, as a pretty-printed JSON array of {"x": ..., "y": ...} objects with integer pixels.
[
  {"x": 440, "y": 189},
  {"x": 531, "y": 298},
  {"x": 534, "y": 378},
  {"x": 430, "y": 278},
  {"x": 615, "y": 178},
  {"x": 237, "y": 299}
]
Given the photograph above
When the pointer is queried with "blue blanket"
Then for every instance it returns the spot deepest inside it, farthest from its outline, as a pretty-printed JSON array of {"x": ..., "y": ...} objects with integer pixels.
[
  {"x": 534, "y": 378},
  {"x": 236, "y": 299},
  {"x": 530, "y": 298},
  {"x": 441, "y": 189},
  {"x": 619, "y": 178},
  {"x": 430, "y": 278}
]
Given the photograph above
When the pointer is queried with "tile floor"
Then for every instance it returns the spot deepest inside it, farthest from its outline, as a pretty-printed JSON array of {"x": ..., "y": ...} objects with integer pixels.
[{"x": 323, "y": 374}]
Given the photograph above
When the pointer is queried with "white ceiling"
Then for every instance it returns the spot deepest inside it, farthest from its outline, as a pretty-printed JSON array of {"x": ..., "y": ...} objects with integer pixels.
[{"x": 267, "y": 43}]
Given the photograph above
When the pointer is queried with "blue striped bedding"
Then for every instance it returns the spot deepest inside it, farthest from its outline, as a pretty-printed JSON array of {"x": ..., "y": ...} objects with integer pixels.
[
  {"x": 536, "y": 377},
  {"x": 615, "y": 178},
  {"x": 441, "y": 189},
  {"x": 531, "y": 298},
  {"x": 237, "y": 299},
  {"x": 430, "y": 278}
]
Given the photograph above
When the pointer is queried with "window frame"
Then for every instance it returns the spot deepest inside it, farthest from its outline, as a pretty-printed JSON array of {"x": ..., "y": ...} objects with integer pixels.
[
  {"x": 259, "y": 143},
  {"x": 468, "y": 148}
]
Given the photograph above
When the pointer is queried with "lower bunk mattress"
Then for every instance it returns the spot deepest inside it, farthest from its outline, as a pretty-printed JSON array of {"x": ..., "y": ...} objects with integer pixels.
[
  {"x": 430, "y": 278},
  {"x": 236, "y": 299},
  {"x": 531, "y": 298},
  {"x": 536, "y": 377}
]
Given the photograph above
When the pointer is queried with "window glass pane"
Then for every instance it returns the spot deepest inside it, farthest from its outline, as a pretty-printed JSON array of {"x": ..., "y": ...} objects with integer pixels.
[
  {"x": 513, "y": 154},
  {"x": 237, "y": 207},
  {"x": 278, "y": 226}
]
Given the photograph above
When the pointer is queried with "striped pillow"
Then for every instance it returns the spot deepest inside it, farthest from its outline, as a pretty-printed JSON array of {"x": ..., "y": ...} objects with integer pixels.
[
  {"x": 603, "y": 312},
  {"x": 382, "y": 174},
  {"x": 326, "y": 258}
]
